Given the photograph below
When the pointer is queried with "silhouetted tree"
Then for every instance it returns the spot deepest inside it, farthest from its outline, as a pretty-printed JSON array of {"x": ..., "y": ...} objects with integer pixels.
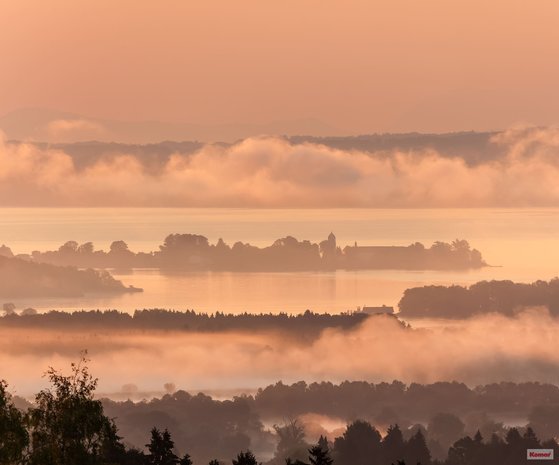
[
  {"x": 68, "y": 248},
  {"x": 291, "y": 443},
  {"x": 13, "y": 434},
  {"x": 319, "y": 456},
  {"x": 161, "y": 448},
  {"x": 119, "y": 247},
  {"x": 478, "y": 438},
  {"x": 112, "y": 449},
  {"x": 289, "y": 461},
  {"x": 494, "y": 449},
  {"x": 9, "y": 308},
  {"x": 392, "y": 446},
  {"x": 86, "y": 248},
  {"x": 245, "y": 458},
  {"x": 133, "y": 457},
  {"x": 68, "y": 425},
  {"x": 514, "y": 447},
  {"x": 186, "y": 460},
  {"x": 416, "y": 449},
  {"x": 5, "y": 251},
  {"x": 545, "y": 419},
  {"x": 359, "y": 445},
  {"x": 323, "y": 443},
  {"x": 462, "y": 452},
  {"x": 530, "y": 439}
]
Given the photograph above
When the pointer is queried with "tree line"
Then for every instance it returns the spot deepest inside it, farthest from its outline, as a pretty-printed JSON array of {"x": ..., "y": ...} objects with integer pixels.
[
  {"x": 449, "y": 410},
  {"x": 386, "y": 403},
  {"x": 504, "y": 297},
  {"x": 305, "y": 324}
]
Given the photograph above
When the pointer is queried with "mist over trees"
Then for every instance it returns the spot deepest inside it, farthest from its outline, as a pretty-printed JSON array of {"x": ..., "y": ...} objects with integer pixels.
[
  {"x": 406, "y": 404},
  {"x": 66, "y": 425},
  {"x": 193, "y": 252},
  {"x": 442, "y": 413},
  {"x": 505, "y": 297}
]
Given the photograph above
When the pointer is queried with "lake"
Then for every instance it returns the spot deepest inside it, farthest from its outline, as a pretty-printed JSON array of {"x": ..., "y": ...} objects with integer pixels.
[{"x": 523, "y": 244}]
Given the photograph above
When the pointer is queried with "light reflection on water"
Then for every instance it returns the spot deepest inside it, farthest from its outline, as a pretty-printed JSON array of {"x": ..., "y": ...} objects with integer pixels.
[{"x": 523, "y": 241}]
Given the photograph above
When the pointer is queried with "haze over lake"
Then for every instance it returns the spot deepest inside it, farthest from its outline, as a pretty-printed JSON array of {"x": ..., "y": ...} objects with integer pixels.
[
  {"x": 274, "y": 232},
  {"x": 520, "y": 244}
]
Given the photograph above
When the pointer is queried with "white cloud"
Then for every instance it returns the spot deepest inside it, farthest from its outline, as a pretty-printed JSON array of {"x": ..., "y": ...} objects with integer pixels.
[{"x": 271, "y": 172}]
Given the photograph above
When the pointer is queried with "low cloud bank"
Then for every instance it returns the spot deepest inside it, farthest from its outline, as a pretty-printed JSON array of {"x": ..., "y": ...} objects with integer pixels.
[
  {"x": 489, "y": 348},
  {"x": 271, "y": 172}
]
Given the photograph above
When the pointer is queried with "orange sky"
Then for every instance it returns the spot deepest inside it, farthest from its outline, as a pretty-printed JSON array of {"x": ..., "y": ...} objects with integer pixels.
[{"x": 360, "y": 66}]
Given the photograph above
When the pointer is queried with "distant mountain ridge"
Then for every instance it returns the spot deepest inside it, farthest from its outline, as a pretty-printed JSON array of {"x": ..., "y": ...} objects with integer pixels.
[
  {"x": 53, "y": 126},
  {"x": 77, "y": 133},
  {"x": 473, "y": 147}
]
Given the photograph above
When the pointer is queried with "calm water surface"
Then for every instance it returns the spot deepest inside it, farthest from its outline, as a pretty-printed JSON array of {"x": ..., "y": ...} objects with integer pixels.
[{"x": 524, "y": 243}]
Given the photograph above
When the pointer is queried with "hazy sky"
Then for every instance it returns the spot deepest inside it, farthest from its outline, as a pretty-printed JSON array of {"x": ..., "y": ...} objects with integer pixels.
[{"x": 360, "y": 66}]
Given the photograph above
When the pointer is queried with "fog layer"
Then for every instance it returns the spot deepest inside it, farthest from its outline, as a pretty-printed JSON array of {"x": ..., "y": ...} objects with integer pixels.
[
  {"x": 485, "y": 349},
  {"x": 271, "y": 172}
]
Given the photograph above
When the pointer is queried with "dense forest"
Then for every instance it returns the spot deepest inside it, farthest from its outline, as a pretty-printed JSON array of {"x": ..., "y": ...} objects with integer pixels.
[
  {"x": 23, "y": 278},
  {"x": 504, "y": 297},
  {"x": 444, "y": 412},
  {"x": 305, "y": 324},
  {"x": 67, "y": 425},
  {"x": 386, "y": 403},
  {"x": 192, "y": 252}
]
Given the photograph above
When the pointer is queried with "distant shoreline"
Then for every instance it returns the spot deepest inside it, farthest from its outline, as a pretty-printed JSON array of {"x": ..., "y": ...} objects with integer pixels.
[{"x": 194, "y": 252}]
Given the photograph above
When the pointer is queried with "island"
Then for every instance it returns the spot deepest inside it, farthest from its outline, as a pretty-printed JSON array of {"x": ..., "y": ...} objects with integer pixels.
[{"x": 193, "y": 252}]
